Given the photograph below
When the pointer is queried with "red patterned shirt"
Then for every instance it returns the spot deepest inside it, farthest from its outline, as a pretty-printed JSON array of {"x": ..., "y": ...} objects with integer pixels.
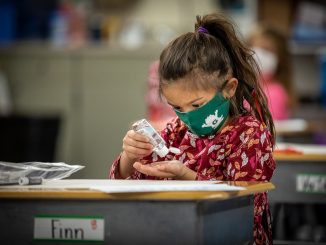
[{"x": 241, "y": 151}]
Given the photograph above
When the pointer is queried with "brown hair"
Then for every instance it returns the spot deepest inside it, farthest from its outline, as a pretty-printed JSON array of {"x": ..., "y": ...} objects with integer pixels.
[
  {"x": 217, "y": 53},
  {"x": 278, "y": 39}
]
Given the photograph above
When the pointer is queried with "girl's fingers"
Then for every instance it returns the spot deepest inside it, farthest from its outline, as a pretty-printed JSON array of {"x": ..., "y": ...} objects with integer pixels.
[
  {"x": 137, "y": 140},
  {"x": 137, "y": 151},
  {"x": 137, "y": 136},
  {"x": 137, "y": 165},
  {"x": 136, "y": 145},
  {"x": 155, "y": 169},
  {"x": 150, "y": 170},
  {"x": 162, "y": 166}
]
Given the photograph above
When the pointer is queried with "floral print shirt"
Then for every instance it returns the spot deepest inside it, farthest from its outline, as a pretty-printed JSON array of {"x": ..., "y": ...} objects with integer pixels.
[{"x": 241, "y": 151}]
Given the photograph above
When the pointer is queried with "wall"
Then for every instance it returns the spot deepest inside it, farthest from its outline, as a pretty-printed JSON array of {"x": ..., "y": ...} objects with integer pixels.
[{"x": 97, "y": 92}]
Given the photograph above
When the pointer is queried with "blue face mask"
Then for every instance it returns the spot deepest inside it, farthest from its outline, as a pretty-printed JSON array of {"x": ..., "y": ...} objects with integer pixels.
[{"x": 207, "y": 119}]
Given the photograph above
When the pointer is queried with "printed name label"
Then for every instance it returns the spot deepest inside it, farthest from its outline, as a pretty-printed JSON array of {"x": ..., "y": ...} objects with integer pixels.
[
  {"x": 312, "y": 183},
  {"x": 47, "y": 227}
]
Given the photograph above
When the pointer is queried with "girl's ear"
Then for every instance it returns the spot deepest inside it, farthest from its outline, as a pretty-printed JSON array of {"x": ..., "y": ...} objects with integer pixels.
[{"x": 230, "y": 88}]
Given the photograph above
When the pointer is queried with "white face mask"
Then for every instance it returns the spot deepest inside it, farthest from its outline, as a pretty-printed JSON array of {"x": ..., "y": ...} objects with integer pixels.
[{"x": 266, "y": 60}]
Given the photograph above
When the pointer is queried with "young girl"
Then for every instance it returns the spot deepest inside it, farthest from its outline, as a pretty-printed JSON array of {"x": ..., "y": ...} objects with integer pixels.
[{"x": 206, "y": 76}]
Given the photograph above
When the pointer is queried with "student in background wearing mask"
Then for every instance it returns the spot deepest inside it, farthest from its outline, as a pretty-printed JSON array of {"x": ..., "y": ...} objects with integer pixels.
[
  {"x": 158, "y": 111},
  {"x": 206, "y": 76},
  {"x": 272, "y": 54}
]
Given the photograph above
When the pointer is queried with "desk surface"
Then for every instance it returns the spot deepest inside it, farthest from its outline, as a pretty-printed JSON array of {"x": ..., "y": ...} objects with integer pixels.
[
  {"x": 84, "y": 193},
  {"x": 295, "y": 157},
  {"x": 300, "y": 152}
]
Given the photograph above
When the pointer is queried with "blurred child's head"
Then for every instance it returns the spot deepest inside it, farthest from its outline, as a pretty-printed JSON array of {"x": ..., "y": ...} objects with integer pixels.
[{"x": 271, "y": 46}]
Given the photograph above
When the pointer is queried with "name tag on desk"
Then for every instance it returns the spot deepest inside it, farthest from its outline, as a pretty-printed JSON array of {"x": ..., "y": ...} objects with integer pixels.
[
  {"x": 69, "y": 228},
  {"x": 311, "y": 183}
]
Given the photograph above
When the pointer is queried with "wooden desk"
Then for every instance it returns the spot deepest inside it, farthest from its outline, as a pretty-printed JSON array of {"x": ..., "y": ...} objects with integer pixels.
[
  {"x": 293, "y": 158},
  {"x": 138, "y": 218},
  {"x": 300, "y": 179}
]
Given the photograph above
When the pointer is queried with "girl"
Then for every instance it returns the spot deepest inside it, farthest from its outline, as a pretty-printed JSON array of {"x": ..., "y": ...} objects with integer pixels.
[{"x": 206, "y": 76}]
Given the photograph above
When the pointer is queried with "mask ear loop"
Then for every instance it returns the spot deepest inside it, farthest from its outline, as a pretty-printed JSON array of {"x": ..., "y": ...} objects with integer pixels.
[{"x": 254, "y": 95}]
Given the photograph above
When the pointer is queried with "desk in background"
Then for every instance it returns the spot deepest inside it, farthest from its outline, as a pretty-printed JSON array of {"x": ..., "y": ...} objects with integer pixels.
[
  {"x": 301, "y": 131},
  {"x": 300, "y": 197},
  {"x": 300, "y": 174},
  {"x": 137, "y": 218}
]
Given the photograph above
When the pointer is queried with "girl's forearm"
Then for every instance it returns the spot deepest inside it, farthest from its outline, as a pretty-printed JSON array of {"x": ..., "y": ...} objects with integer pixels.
[
  {"x": 188, "y": 175},
  {"x": 126, "y": 166}
]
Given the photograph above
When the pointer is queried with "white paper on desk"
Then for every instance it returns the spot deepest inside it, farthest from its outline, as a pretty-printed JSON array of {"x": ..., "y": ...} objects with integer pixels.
[
  {"x": 123, "y": 186},
  {"x": 129, "y": 186}
]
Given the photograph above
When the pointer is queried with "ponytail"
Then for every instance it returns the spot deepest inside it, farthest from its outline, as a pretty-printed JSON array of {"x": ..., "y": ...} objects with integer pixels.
[{"x": 243, "y": 66}]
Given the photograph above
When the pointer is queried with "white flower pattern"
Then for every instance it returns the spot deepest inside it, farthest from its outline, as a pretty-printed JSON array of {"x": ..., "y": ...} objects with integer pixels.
[
  {"x": 244, "y": 159},
  {"x": 213, "y": 148},
  {"x": 262, "y": 138},
  {"x": 212, "y": 121},
  {"x": 182, "y": 158},
  {"x": 264, "y": 159}
]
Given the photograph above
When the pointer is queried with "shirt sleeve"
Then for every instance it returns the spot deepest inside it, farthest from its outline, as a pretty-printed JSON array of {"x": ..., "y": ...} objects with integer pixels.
[
  {"x": 114, "y": 170},
  {"x": 251, "y": 158}
]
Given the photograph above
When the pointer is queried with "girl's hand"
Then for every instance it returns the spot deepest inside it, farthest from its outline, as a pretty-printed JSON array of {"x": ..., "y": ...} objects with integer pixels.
[
  {"x": 166, "y": 169},
  {"x": 136, "y": 146}
]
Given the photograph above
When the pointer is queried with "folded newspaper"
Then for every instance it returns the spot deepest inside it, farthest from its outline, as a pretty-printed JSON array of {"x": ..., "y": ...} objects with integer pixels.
[{"x": 17, "y": 173}]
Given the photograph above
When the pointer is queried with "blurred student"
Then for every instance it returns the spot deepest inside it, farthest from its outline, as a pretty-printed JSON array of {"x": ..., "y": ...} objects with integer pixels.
[
  {"x": 272, "y": 54},
  {"x": 158, "y": 111}
]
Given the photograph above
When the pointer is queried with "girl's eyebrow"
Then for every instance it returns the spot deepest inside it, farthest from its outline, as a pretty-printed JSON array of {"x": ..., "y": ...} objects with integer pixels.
[{"x": 190, "y": 102}]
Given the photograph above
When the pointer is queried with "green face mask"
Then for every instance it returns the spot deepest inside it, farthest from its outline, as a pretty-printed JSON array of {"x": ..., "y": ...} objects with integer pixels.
[{"x": 209, "y": 118}]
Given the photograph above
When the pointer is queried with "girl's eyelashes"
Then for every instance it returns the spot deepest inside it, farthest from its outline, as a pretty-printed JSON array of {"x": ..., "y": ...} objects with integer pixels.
[
  {"x": 176, "y": 108},
  {"x": 196, "y": 104}
]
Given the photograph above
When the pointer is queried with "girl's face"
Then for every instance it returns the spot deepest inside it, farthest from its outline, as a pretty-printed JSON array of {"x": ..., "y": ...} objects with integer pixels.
[{"x": 185, "y": 100}]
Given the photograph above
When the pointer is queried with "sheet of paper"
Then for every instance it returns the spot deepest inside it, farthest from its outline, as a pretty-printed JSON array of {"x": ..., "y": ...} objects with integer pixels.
[
  {"x": 123, "y": 186},
  {"x": 158, "y": 186}
]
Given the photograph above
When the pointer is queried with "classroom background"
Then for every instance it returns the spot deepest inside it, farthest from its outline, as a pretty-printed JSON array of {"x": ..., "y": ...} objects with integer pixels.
[{"x": 74, "y": 74}]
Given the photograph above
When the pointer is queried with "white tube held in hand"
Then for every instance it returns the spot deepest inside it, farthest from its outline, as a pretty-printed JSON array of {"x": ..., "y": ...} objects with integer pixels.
[{"x": 145, "y": 128}]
